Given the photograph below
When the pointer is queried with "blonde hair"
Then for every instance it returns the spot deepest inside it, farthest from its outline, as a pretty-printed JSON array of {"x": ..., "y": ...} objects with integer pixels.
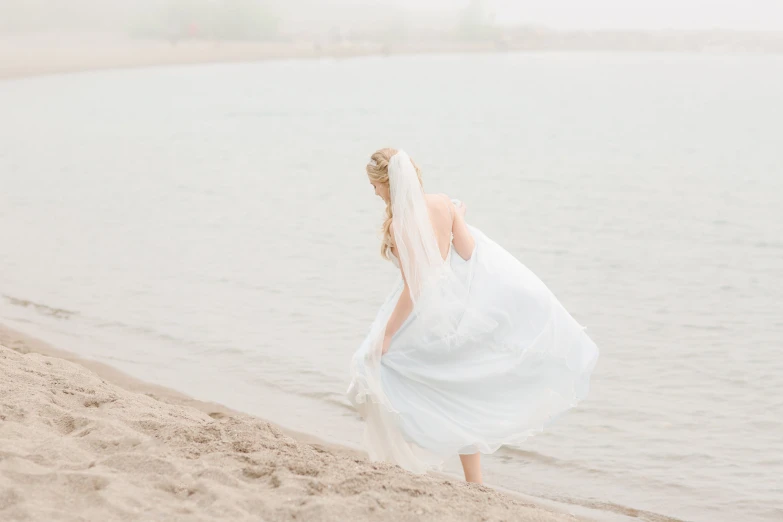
[{"x": 378, "y": 171}]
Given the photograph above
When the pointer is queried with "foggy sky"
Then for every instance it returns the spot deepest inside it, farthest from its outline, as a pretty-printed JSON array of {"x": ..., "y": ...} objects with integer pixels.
[
  {"x": 632, "y": 14},
  {"x": 557, "y": 14}
]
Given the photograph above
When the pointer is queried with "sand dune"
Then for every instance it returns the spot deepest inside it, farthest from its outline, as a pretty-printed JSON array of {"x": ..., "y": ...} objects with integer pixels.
[{"x": 76, "y": 447}]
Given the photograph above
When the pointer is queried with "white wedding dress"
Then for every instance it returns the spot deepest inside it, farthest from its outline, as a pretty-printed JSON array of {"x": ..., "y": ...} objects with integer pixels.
[{"x": 487, "y": 357}]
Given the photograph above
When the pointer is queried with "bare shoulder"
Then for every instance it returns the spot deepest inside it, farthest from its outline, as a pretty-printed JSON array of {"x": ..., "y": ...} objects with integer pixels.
[{"x": 438, "y": 203}]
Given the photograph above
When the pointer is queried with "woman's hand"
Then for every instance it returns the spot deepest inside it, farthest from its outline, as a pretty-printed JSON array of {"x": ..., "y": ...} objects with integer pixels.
[
  {"x": 462, "y": 239},
  {"x": 386, "y": 343},
  {"x": 460, "y": 206}
]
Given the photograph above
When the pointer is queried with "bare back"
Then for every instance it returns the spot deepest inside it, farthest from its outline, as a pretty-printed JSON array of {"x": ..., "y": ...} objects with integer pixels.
[{"x": 449, "y": 226}]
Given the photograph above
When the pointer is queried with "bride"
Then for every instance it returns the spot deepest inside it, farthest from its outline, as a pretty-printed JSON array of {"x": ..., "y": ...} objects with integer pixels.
[{"x": 470, "y": 351}]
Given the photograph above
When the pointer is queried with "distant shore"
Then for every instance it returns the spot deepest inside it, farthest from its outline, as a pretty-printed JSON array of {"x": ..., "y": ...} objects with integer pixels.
[
  {"x": 18, "y": 60},
  {"x": 35, "y": 55}
]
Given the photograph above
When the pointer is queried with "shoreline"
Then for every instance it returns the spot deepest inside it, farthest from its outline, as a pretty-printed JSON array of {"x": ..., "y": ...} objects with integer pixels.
[
  {"x": 23, "y": 343},
  {"x": 52, "y": 54},
  {"x": 24, "y": 60},
  {"x": 416, "y": 495}
]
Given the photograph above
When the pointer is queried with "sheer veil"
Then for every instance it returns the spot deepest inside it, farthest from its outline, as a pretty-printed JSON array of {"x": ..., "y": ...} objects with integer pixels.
[
  {"x": 422, "y": 267},
  {"x": 417, "y": 245},
  {"x": 440, "y": 298}
]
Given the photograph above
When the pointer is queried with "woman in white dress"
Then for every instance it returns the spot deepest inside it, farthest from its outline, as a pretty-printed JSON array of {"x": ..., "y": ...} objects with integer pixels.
[{"x": 470, "y": 351}]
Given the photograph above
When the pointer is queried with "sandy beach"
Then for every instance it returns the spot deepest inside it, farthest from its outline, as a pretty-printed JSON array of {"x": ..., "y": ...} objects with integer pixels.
[{"x": 85, "y": 442}]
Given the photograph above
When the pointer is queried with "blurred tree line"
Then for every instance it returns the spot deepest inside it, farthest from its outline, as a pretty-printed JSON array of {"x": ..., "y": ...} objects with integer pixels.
[
  {"x": 476, "y": 22},
  {"x": 210, "y": 19},
  {"x": 332, "y": 21},
  {"x": 167, "y": 19}
]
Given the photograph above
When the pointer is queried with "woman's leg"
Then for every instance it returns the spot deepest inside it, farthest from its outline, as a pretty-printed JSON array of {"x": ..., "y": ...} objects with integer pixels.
[{"x": 471, "y": 465}]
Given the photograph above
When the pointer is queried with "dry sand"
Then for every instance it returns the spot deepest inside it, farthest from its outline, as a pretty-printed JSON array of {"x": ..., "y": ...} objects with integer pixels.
[{"x": 75, "y": 446}]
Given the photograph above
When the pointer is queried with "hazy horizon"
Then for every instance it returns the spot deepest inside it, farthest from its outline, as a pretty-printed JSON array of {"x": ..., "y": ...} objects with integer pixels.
[
  {"x": 307, "y": 15},
  {"x": 754, "y": 15}
]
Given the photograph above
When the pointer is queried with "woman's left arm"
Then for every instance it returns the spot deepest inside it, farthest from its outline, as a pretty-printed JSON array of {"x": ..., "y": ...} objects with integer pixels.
[
  {"x": 404, "y": 304},
  {"x": 398, "y": 316}
]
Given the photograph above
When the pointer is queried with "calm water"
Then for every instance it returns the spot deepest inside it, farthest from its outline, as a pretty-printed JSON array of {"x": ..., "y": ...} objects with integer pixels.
[{"x": 210, "y": 228}]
